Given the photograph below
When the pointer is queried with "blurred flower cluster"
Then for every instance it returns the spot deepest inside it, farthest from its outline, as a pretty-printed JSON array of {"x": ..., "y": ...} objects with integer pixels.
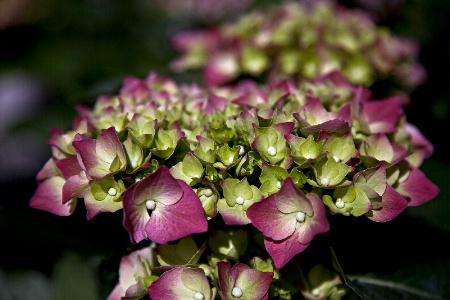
[
  {"x": 221, "y": 188},
  {"x": 302, "y": 41},
  {"x": 203, "y": 9}
]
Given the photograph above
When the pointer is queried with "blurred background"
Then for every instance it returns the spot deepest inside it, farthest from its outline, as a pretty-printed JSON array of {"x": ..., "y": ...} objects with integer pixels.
[{"x": 57, "y": 54}]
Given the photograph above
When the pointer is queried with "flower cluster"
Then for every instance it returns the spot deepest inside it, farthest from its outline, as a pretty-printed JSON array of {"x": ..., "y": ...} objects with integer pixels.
[
  {"x": 221, "y": 188},
  {"x": 246, "y": 174},
  {"x": 294, "y": 40}
]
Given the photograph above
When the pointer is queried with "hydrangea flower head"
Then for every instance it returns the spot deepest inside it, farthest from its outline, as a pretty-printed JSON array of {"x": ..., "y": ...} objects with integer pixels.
[
  {"x": 162, "y": 208},
  {"x": 289, "y": 220}
]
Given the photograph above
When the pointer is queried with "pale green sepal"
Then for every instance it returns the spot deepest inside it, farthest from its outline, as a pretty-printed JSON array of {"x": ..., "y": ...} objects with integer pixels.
[
  {"x": 231, "y": 244},
  {"x": 182, "y": 253}
]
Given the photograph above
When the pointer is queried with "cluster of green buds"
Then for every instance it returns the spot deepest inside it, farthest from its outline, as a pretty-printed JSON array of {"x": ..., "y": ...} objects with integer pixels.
[
  {"x": 250, "y": 172},
  {"x": 293, "y": 40}
]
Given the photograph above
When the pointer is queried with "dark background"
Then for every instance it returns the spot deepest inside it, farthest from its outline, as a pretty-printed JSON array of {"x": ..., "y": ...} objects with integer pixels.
[{"x": 56, "y": 54}]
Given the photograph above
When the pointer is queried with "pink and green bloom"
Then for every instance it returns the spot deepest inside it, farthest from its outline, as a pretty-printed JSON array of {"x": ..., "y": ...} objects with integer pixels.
[
  {"x": 135, "y": 275},
  {"x": 182, "y": 283},
  {"x": 162, "y": 209},
  {"x": 223, "y": 189},
  {"x": 289, "y": 220},
  {"x": 242, "y": 282}
]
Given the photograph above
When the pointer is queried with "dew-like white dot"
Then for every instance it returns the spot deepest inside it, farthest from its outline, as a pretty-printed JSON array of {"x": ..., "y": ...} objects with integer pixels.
[
  {"x": 237, "y": 292},
  {"x": 231, "y": 159},
  {"x": 272, "y": 151},
  {"x": 240, "y": 200},
  {"x": 241, "y": 150},
  {"x": 112, "y": 192},
  {"x": 199, "y": 296},
  {"x": 150, "y": 204},
  {"x": 300, "y": 217},
  {"x": 340, "y": 203},
  {"x": 325, "y": 181},
  {"x": 278, "y": 184},
  {"x": 316, "y": 292}
]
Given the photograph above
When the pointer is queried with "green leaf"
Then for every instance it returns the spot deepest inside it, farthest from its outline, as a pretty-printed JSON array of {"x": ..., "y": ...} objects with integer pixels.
[{"x": 426, "y": 280}]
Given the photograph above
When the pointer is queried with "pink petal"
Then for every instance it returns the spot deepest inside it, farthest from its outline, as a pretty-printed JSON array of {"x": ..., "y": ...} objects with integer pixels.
[
  {"x": 315, "y": 223},
  {"x": 160, "y": 186},
  {"x": 48, "y": 170},
  {"x": 170, "y": 286},
  {"x": 48, "y": 197},
  {"x": 69, "y": 166},
  {"x": 418, "y": 188},
  {"x": 75, "y": 187},
  {"x": 135, "y": 216},
  {"x": 256, "y": 283},
  {"x": 94, "y": 206},
  {"x": 226, "y": 279},
  {"x": 117, "y": 293},
  {"x": 419, "y": 140},
  {"x": 85, "y": 148},
  {"x": 283, "y": 251},
  {"x": 108, "y": 146},
  {"x": 382, "y": 115},
  {"x": 172, "y": 222},
  {"x": 266, "y": 217},
  {"x": 392, "y": 205},
  {"x": 290, "y": 199}
]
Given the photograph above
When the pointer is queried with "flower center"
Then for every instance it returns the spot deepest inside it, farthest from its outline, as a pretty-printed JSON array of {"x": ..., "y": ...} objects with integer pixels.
[
  {"x": 236, "y": 292},
  {"x": 340, "y": 203},
  {"x": 240, "y": 200},
  {"x": 207, "y": 192},
  {"x": 325, "y": 181},
  {"x": 316, "y": 292},
  {"x": 272, "y": 151},
  {"x": 150, "y": 204},
  {"x": 241, "y": 150},
  {"x": 112, "y": 192},
  {"x": 300, "y": 217},
  {"x": 199, "y": 296}
]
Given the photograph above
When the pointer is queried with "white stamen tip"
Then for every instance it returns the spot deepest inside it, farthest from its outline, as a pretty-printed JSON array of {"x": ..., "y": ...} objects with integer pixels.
[
  {"x": 207, "y": 192},
  {"x": 236, "y": 292},
  {"x": 133, "y": 163},
  {"x": 325, "y": 181},
  {"x": 337, "y": 159},
  {"x": 272, "y": 151},
  {"x": 231, "y": 159},
  {"x": 241, "y": 150},
  {"x": 199, "y": 296},
  {"x": 240, "y": 200},
  {"x": 340, "y": 203},
  {"x": 150, "y": 204},
  {"x": 300, "y": 217},
  {"x": 316, "y": 292},
  {"x": 112, "y": 192},
  {"x": 278, "y": 184}
]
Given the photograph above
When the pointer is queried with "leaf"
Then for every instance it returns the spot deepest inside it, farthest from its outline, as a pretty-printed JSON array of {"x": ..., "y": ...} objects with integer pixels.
[{"x": 427, "y": 280}]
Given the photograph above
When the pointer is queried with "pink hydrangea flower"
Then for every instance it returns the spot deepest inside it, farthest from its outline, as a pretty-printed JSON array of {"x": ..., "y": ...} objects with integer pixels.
[
  {"x": 182, "y": 283},
  {"x": 162, "y": 208},
  {"x": 289, "y": 220},
  {"x": 103, "y": 156},
  {"x": 241, "y": 281}
]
